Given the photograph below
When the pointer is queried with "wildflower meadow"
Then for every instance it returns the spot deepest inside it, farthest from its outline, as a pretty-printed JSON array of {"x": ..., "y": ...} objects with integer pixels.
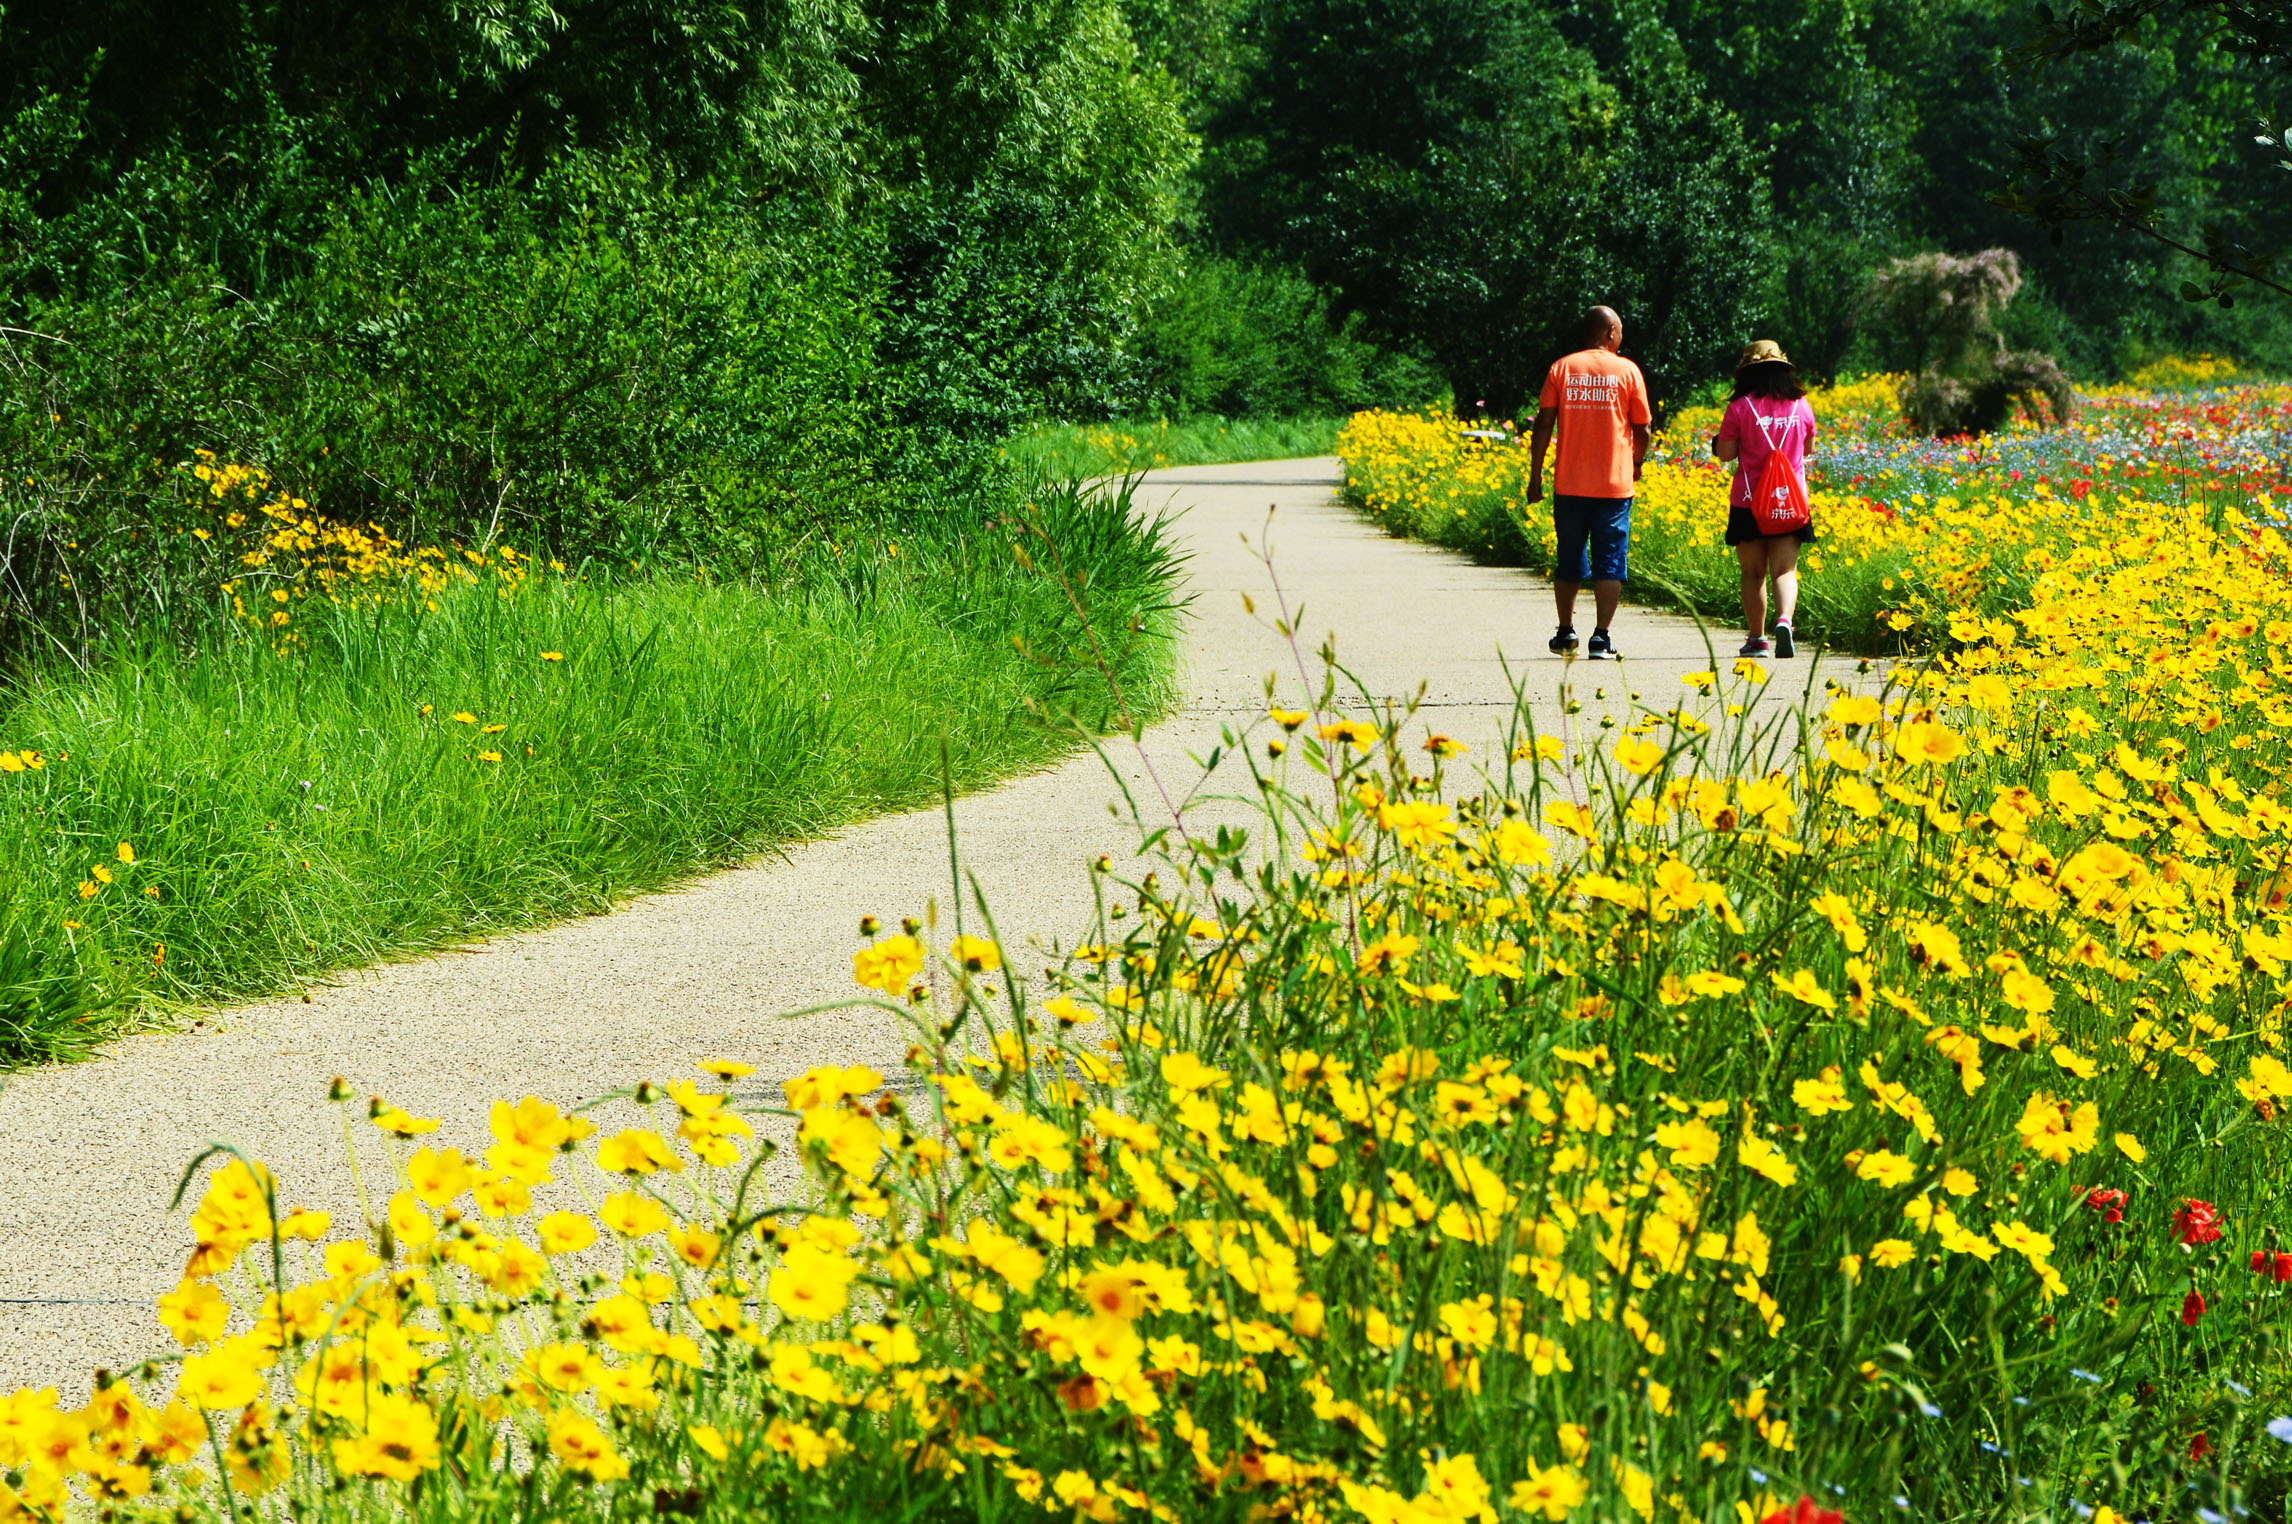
[
  {"x": 1912, "y": 530},
  {"x": 1872, "y": 1111}
]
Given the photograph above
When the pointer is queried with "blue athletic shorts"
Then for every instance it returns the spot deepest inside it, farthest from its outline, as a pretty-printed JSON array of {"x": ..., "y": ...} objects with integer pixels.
[{"x": 1595, "y": 538}]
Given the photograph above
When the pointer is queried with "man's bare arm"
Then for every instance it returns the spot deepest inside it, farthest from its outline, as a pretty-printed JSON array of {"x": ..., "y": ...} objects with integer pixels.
[
  {"x": 1641, "y": 437},
  {"x": 1539, "y": 440}
]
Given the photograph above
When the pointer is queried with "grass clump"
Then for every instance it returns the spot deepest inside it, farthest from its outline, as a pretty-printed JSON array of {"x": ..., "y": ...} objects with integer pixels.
[
  {"x": 1060, "y": 450},
  {"x": 396, "y": 766}
]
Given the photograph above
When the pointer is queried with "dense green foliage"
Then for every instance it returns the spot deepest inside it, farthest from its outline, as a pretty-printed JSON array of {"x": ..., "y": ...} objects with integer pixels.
[
  {"x": 410, "y": 775},
  {"x": 1239, "y": 338},
  {"x": 1465, "y": 176},
  {"x": 627, "y": 282}
]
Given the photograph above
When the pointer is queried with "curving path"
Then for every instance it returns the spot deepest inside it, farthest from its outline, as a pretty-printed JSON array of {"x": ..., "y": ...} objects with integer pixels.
[{"x": 90, "y": 1154}]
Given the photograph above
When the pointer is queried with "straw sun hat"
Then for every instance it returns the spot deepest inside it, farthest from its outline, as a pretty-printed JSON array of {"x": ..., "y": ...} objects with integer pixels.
[{"x": 1761, "y": 352}]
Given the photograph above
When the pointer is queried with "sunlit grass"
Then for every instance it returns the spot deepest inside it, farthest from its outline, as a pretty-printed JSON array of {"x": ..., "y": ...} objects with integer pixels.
[
  {"x": 404, "y": 777},
  {"x": 1060, "y": 450}
]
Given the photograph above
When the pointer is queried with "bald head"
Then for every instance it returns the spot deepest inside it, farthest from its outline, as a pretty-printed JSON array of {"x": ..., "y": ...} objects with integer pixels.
[{"x": 1602, "y": 329}]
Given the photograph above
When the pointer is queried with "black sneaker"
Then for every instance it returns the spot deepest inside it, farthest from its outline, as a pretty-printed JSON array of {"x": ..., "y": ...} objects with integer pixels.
[
  {"x": 1563, "y": 641},
  {"x": 1602, "y": 648},
  {"x": 1784, "y": 645}
]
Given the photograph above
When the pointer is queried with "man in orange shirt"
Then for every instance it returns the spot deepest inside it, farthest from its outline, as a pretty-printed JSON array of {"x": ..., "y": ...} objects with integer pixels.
[{"x": 1599, "y": 401}]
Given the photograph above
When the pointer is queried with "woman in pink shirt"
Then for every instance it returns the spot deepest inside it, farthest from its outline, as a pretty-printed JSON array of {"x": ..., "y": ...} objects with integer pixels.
[{"x": 1767, "y": 413}]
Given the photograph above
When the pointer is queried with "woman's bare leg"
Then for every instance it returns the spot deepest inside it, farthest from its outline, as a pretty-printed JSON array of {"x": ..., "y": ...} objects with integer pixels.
[
  {"x": 1783, "y": 566},
  {"x": 1751, "y": 555}
]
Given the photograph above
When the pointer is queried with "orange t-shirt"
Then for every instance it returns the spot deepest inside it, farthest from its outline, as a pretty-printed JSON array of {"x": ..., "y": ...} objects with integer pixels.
[{"x": 1599, "y": 395}]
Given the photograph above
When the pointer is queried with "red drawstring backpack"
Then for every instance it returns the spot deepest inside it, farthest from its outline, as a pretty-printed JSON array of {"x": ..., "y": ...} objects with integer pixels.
[{"x": 1779, "y": 500}]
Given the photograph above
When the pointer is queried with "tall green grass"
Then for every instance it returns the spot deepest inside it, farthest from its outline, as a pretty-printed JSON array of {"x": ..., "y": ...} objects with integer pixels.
[
  {"x": 1059, "y": 451},
  {"x": 291, "y": 815}
]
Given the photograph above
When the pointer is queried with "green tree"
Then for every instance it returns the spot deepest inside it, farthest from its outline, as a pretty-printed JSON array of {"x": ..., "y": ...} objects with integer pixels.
[
  {"x": 1682, "y": 228},
  {"x": 1467, "y": 176},
  {"x": 1832, "y": 129},
  {"x": 2063, "y": 182},
  {"x": 1435, "y": 165},
  {"x": 1028, "y": 174}
]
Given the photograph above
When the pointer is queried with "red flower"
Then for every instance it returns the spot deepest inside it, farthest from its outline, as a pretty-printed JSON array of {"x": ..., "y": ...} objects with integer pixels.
[
  {"x": 2109, "y": 1203},
  {"x": 1804, "y": 1511},
  {"x": 2193, "y": 1308},
  {"x": 2197, "y": 1222},
  {"x": 2277, "y": 1267},
  {"x": 2199, "y": 1448}
]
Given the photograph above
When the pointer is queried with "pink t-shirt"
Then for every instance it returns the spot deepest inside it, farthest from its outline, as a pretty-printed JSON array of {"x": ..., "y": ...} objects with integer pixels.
[{"x": 1760, "y": 426}]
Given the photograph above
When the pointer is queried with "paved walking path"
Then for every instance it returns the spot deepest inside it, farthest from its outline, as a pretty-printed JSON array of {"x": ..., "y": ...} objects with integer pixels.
[{"x": 89, "y": 1154}]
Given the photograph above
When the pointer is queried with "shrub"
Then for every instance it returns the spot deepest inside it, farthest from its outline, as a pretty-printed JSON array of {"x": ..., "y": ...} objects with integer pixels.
[
  {"x": 2183, "y": 373},
  {"x": 1235, "y": 339},
  {"x": 599, "y": 363},
  {"x": 1939, "y": 314}
]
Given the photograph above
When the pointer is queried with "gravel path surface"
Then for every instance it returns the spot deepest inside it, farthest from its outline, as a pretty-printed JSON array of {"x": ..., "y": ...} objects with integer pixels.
[{"x": 90, "y": 1154}]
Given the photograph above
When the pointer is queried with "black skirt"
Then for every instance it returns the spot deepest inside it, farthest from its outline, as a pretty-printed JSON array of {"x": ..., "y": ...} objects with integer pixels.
[{"x": 1742, "y": 529}]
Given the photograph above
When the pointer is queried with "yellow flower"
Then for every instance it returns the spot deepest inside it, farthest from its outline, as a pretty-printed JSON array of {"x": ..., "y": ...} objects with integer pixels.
[
  {"x": 1186, "y": 1074},
  {"x": 1761, "y": 1157},
  {"x": 888, "y": 965},
  {"x": 438, "y": 1176},
  {"x": 1855, "y": 709},
  {"x": 562, "y": 1367},
  {"x": 565, "y": 1233},
  {"x": 1637, "y": 755},
  {"x": 222, "y": 1378},
  {"x": 2051, "y": 1130},
  {"x": 1692, "y": 1143},
  {"x": 1822, "y": 1096},
  {"x": 708, "y": 1441},
  {"x": 727, "y": 1068},
  {"x": 811, "y": 1283},
  {"x": 553, "y": 656},
  {"x": 489, "y": 756},
  {"x": 1886, "y": 1168},
  {"x": 1022, "y": 1140},
  {"x": 847, "y": 1140},
  {"x": 392, "y": 1120},
  {"x": 636, "y": 1151},
  {"x": 1518, "y": 842},
  {"x": 1803, "y": 986},
  {"x": 1892, "y": 1253},
  {"x": 2024, "y": 1239},
  {"x": 1416, "y": 823},
  {"x": 976, "y": 954},
  {"x": 2024, "y": 991},
  {"x": 580, "y": 1446},
  {"x": 126, "y": 853},
  {"x": 398, "y": 1439},
  {"x": 195, "y": 1313},
  {"x": 632, "y": 1214},
  {"x": 465, "y": 717},
  {"x": 826, "y": 1085}
]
